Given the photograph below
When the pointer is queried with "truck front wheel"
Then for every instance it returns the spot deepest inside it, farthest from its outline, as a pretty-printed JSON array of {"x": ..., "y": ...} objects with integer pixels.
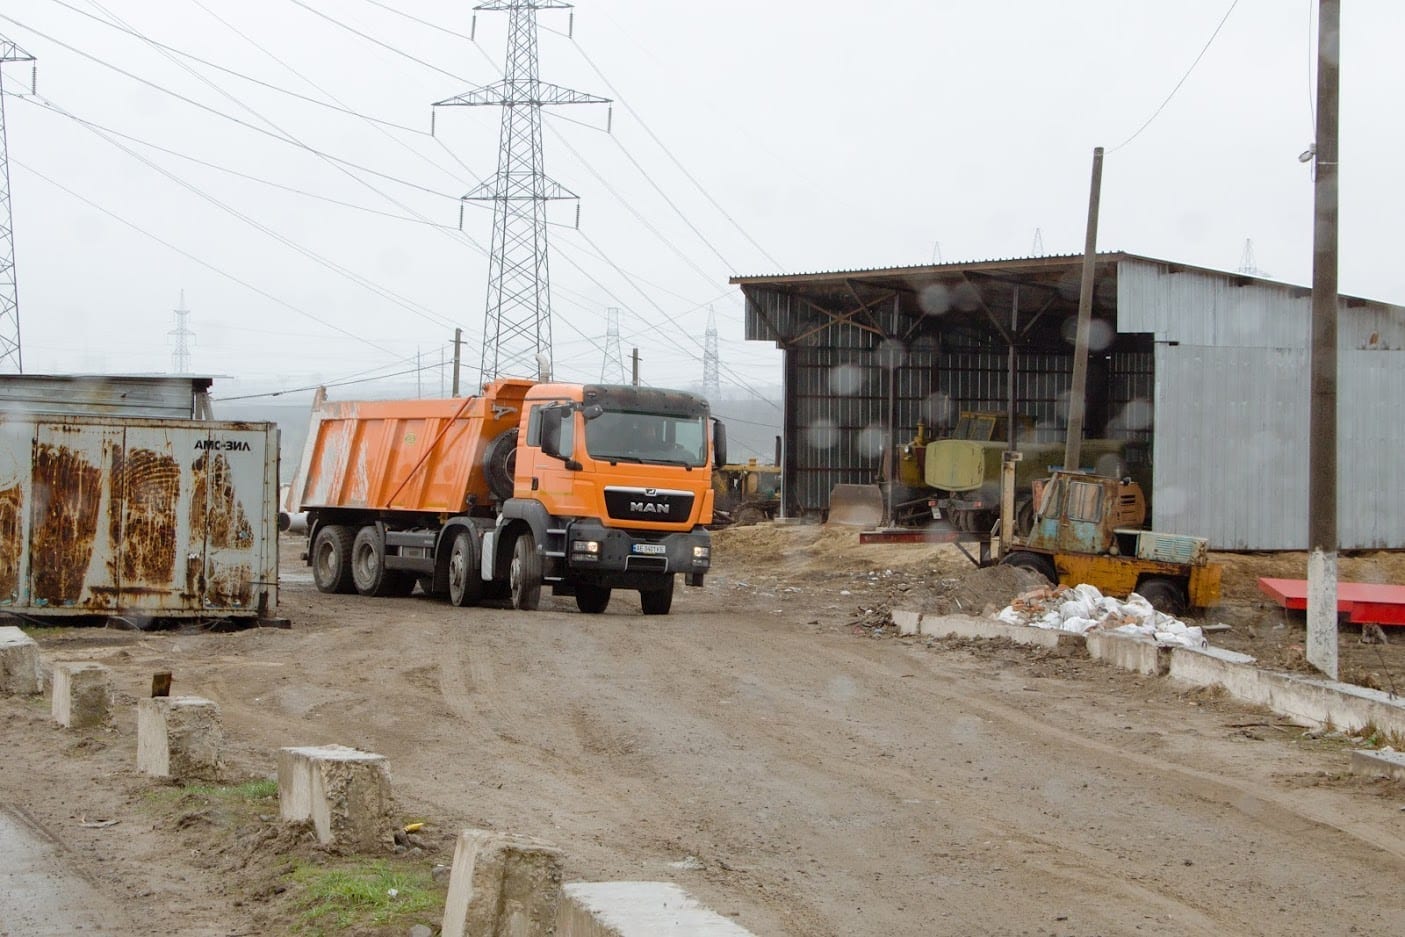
[
  {"x": 465, "y": 585},
  {"x": 1165, "y": 595},
  {"x": 657, "y": 601},
  {"x": 525, "y": 573},
  {"x": 592, "y": 599},
  {"x": 331, "y": 559}
]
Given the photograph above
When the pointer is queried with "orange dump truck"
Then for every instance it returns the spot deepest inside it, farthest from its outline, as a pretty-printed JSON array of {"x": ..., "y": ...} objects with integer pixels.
[{"x": 586, "y": 488}]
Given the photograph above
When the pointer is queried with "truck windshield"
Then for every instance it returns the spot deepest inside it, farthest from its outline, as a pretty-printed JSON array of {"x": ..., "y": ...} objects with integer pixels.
[{"x": 629, "y": 436}]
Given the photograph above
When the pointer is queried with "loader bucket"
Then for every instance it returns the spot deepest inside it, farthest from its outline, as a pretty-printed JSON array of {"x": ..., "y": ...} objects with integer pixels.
[{"x": 856, "y": 505}]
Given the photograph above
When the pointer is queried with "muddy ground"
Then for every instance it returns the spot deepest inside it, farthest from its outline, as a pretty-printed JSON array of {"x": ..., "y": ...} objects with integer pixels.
[{"x": 770, "y": 746}]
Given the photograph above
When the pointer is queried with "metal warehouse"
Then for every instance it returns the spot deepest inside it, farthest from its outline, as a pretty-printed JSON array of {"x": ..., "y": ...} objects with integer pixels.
[{"x": 1207, "y": 370}]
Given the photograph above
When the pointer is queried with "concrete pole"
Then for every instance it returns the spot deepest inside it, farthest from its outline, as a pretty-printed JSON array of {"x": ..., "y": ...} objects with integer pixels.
[
  {"x": 1078, "y": 393},
  {"x": 1322, "y": 416},
  {"x": 634, "y": 357},
  {"x": 1007, "y": 466},
  {"x": 458, "y": 344}
]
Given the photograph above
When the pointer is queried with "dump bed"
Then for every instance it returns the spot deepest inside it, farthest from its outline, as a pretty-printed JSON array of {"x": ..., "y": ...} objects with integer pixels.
[{"x": 427, "y": 456}]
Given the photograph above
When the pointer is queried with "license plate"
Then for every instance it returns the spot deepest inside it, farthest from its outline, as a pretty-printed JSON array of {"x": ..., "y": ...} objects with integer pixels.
[{"x": 654, "y": 549}]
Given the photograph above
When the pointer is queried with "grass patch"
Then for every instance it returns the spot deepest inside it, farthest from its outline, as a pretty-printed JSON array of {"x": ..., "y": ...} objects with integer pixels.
[
  {"x": 374, "y": 894},
  {"x": 246, "y": 792}
]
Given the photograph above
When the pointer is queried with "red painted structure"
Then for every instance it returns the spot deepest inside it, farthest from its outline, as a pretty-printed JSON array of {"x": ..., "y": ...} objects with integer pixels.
[{"x": 1364, "y": 602}]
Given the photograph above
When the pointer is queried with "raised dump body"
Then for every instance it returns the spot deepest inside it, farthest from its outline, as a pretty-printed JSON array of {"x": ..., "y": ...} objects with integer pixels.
[{"x": 586, "y": 488}]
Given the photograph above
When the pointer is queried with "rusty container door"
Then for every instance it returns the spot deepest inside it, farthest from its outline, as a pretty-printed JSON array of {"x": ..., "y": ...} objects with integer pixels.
[
  {"x": 233, "y": 519},
  {"x": 149, "y": 521},
  {"x": 72, "y": 553},
  {"x": 16, "y": 451}
]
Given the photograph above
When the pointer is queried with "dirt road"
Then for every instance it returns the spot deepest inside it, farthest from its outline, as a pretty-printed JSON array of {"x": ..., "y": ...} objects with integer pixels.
[{"x": 788, "y": 768}]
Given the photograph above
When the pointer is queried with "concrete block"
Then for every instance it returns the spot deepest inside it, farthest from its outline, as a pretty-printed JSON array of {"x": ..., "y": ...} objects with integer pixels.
[
  {"x": 908, "y": 622},
  {"x": 638, "y": 909},
  {"x": 1305, "y": 699},
  {"x": 1140, "y": 655},
  {"x": 343, "y": 791},
  {"x": 82, "y": 694},
  {"x": 502, "y": 886},
  {"x": 1379, "y": 764},
  {"x": 19, "y": 664},
  {"x": 179, "y": 737},
  {"x": 964, "y": 626}
]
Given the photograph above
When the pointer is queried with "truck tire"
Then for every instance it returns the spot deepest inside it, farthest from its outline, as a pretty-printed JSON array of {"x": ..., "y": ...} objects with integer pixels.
[
  {"x": 499, "y": 463},
  {"x": 657, "y": 601},
  {"x": 368, "y": 572},
  {"x": 465, "y": 582},
  {"x": 331, "y": 559},
  {"x": 1165, "y": 595},
  {"x": 524, "y": 574},
  {"x": 592, "y": 599},
  {"x": 1035, "y": 562}
]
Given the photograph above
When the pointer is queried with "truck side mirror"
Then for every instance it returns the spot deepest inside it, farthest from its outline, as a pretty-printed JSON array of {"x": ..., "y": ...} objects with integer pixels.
[{"x": 719, "y": 443}]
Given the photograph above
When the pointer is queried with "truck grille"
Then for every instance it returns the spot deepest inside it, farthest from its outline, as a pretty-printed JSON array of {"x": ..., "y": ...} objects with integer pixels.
[{"x": 648, "y": 504}]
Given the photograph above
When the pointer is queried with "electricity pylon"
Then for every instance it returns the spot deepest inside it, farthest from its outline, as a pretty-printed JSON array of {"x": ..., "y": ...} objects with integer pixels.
[
  {"x": 712, "y": 384},
  {"x": 180, "y": 358},
  {"x": 10, "y": 355},
  {"x": 517, "y": 325},
  {"x": 612, "y": 368}
]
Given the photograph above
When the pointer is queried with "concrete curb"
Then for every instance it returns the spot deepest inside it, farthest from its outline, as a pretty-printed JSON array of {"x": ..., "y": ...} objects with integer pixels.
[
  {"x": 1314, "y": 702},
  {"x": 1378, "y": 764}
]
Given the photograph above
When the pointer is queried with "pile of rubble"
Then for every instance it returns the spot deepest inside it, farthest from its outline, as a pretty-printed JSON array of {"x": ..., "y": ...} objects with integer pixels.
[{"x": 1083, "y": 608}]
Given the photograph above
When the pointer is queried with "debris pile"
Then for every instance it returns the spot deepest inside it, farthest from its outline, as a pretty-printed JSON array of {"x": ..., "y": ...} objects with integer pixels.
[{"x": 1083, "y": 608}]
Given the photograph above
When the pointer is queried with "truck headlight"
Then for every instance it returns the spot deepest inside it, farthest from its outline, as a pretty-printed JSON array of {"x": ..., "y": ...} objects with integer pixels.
[
  {"x": 702, "y": 553},
  {"x": 585, "y": 546}
]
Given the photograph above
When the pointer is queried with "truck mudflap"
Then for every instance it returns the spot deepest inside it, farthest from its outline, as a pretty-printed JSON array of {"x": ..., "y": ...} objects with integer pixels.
[{"x": 616, "y": 558}]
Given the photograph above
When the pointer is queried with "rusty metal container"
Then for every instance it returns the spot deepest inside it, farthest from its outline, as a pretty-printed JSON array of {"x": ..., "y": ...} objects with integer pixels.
[{"x": 106, "y": 515}]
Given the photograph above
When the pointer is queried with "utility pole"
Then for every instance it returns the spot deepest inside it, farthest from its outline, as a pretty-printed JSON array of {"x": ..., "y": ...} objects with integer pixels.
[
  {"x": 712, "y": 363},
  {"x": 612, "y": 367},
  {"x": 10, "y": 354},
  {"x": 517, "y": 324},
  {"x": 458, "y": 343},
  {"x": 180, "y": 358},
  {"x": 635, "y": 356},
  {"x": 1078, "y": 393},
  {"x": 1322, "y": 363}
]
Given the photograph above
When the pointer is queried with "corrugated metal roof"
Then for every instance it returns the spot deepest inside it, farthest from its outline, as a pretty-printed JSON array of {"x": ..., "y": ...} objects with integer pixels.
[
  {"x": 1047, "y": 260},
  {"x": 161, "y": 396}
]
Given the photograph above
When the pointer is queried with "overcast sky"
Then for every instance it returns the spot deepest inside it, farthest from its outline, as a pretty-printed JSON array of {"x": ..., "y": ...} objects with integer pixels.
[{"x": 832, "y": 135}]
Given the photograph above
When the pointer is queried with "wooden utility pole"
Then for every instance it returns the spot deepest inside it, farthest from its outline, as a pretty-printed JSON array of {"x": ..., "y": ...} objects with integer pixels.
[
  {"x": 458, "y": 343},
  {"x": 1078, "y": 393},
  {"x": 1322, "y": 415}
]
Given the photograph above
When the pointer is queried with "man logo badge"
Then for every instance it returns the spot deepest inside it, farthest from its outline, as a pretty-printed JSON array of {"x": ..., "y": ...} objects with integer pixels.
[{"x": 648, "y": 507}]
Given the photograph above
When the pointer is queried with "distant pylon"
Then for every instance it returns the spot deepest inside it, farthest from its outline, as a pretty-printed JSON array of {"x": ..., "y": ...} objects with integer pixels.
[
  {"x": 11, "y": 357},
  {"x": 1246, "y": 261},
  {"x": 517, "y": 326},
  {"x": 180, "y": 358},
  {"x": 712, "y": 385},
  {"x": 612, "y": 370},
  {"x": 1038, "y": 249}
]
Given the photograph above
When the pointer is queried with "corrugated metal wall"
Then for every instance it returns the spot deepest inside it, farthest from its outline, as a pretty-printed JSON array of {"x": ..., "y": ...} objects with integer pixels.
[
  {"x": 1231, "y": 410},
  {"x": 150, "y": 397}
]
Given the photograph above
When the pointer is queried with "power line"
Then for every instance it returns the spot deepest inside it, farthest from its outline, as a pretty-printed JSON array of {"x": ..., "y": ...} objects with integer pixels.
[
  {"x": 408, "y": 16},
  {"x": 207, "y": 265},
  {"x": 372, "y": 39},
  {"x": 1156, "y": 113}
]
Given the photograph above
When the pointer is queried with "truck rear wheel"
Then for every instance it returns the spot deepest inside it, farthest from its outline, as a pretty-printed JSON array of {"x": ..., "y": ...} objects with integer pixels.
[
  {"x": 368, "y": 572},
  {"x": 1165, "y": 595},
  {"x": 331, "y": 559},
  {"x": 1035, "y": 562},
  {"x": 525, "y": 573},
  {"x": 465, "y": 584},
  {"x": 657, "y": 601},
  {"x": 592, "y": 599}
]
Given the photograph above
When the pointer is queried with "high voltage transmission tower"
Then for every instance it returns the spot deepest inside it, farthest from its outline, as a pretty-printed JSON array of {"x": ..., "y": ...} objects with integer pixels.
[
  {"x": 612, "y": 368},
  {"x": 10, "y": 356},
  {"x": 712, "y": 385},
  {"x": 517, "y": 325},
  {"x": 180, "y": 358}
]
